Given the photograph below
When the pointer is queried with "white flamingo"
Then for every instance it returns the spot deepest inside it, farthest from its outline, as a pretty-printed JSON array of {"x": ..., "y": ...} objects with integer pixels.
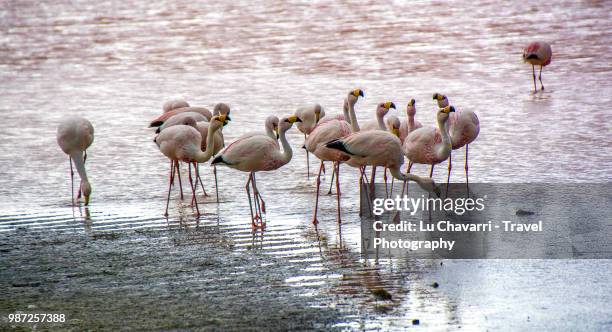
[
  {"x": 74, "y": 136},
  {"x": 183, "y": 142},
  {"x": 330, "y": 129},
  {"x": 256, "y": 153}
]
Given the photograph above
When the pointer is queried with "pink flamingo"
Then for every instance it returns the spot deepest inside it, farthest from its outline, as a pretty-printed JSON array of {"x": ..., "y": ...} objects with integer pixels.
[
  {"x": 537, "y": 53},
  {"x": 74, "y": 136},
  {"x": 256, "y": 153},
  {"x": 464, "y": 128},
  {"x": 327, "y": 130},
  {"x": 429, "y": 145},
  {"x": 379, "y": 148},
  {"x": 183, "y": 143},
  {"x": 310, "y": 116},
  {"x": 173, "y": 104},
  {"x": 220, "y": 108},
  {"x": 409, "y": 124},
  {"x": 381, "y": 111}
]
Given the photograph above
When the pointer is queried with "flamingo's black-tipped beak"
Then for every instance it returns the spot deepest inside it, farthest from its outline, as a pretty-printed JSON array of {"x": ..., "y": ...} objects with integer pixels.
[{"x": 361, "y": 93}]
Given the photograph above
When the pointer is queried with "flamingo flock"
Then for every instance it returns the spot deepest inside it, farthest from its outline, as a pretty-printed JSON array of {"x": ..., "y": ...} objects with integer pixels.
[{"x": 194, "y": 135}]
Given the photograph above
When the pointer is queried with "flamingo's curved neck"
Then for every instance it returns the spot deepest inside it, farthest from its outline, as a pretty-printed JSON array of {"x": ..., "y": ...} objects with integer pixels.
[
  {"x": 396, "y": 173},
  {"x": 79, "y": 163},
  {"x": 270, "y": 132},
  {"x": 345, "y": 110},
  {"x": 381, "y": 121},
  {"x": 353, "y": 117},
  {"x": 410, "y": 121},
  {"x": 287, "y": 152},
  {"x": 203, "y": 157},
  {"x": 447, "y": 146}
]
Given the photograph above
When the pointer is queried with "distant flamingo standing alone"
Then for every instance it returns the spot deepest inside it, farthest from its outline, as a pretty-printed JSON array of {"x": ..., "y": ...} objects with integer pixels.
[
  {"x": 74, "y": 135},
  {"x": 537, "y": 54}
]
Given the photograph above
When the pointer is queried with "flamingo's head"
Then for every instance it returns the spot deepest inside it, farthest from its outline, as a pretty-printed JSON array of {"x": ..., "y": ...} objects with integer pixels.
[
  {"x": 222, "y": 109},
  {"x": 319, "y": 113},
  {"x": 444, "y": 113},
  {"x": 287, "y": 122},
  {"x": 411, "y": 108},
  {"x": 393, "y": 122},
  {"x": 441, "y": 99},
  {"x": 383, "y": 108},
  {"x": 272, "y": 124},
  {"x": 86, "y": 190},
  {"x": 219, "y": 121},
  {"x": 354, "y": 95}
]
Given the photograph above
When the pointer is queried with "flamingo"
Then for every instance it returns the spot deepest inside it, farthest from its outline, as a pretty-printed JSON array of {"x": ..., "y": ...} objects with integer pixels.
[
  {"x": 381, "y": 110},
  {"x": 74, "y": 136},
  {"x": 327, "y": 130},
  {"x": 310, "y": 116},
  {"x": 173, "y": 104},
  {"x": 537, "y": 53},
  {"x": 429, "y": 145},
  {"x": 464, "y": 128},
  {"x": 379, "y": 148},
  {"x": 220, "y": 108},
  {"x": 409, "y": 124},
  {"x": 183, "y": 142},
  {"x": 256, "y": 153}
]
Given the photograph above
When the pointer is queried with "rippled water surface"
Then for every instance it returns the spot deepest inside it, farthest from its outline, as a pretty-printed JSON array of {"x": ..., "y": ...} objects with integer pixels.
[{"x": 116, "y": 62}]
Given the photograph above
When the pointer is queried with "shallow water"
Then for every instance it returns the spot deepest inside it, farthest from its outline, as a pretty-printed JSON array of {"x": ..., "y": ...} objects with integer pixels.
[{"x": 116, "y": 63}]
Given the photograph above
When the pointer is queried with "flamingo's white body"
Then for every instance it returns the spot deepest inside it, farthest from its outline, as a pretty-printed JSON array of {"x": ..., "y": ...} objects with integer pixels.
[
  {"x": 183, "y": 142},
  {"x": 174, "y": 104},
  {"x": 463, "y": 127},
  {"x": 430, "y": 145},
  {"x": 537, "y": 53},
  {"x": 331, "y": 129},
  {"x": 75, "y": 135},
  {"x": 256, "y": 153}
]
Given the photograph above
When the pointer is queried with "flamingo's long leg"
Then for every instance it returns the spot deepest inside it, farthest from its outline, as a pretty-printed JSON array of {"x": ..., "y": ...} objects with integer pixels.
[
  {"x": 431, "y": 171},
  {"x": 467, "y": 180},
  {"x": 71, "y": 179},
  {"x": 365, "y": 187},
  {"x": 248, "y": 190},
  {"x": 361, "y": 170},
  {"x": 338, "y": 188},
  {"x": 171, "y": 180},
  {"x": 450, "y": 166},
  {"x": 373, "y": 180},
  {"x": 331, "y": 183},
  {"x": 261, "y": 203},
  {"x": 199, "y": 179},
  {"x": 406, "y": 183},
  {"x": 535, "y": 87},
  {"x": 314, "y": 219},
  {"x": 193, "y": 188},
  {"x": 385, "y": 178},
  {"x": 178, "y": 172},
  {"x": 257, "y": 198},
  {"x": 84, "y": 160},
  {"x": 216, "y": 182},
  {"x": 307, "y": 160},
  {"x": 540, "y": 77}
]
